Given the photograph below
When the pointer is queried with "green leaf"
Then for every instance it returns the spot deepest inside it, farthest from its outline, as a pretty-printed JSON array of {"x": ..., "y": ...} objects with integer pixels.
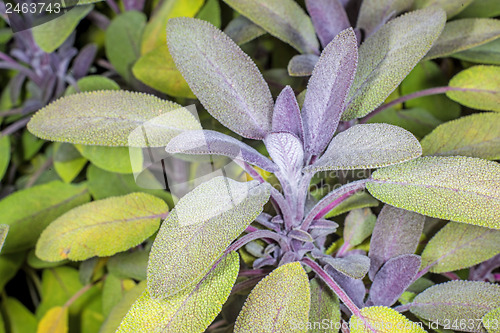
[
  {"x": 131, "y": 265},
  {"x": 29, "y": 211},
  {"x": 269, "y": 309},
  {"x": 355, "y": 266},
  {"x": 9, "y": 265},
  {"x": 123, "y": 41},
  {"x": 486, "y": 54},
  {"x": 92, "y": 83},
  {"x": 112, "y": 118},
  {"x": 464, "y": 34},
  {"x": 373, "y": 14},
  {"x": 4, "y": 155},
  {"x": 452, "y": 7},
  {"x": 154, "y": 33},
  {"x": 4, "y": 230},
  {"x": 38, "y": 263},
  {"x": 31, "y": 145},
  {"x": 284, "y": 19},
  {"x": 225, "y": 80},
  {"x": 358, "y": 225},
  {"x": 463, "y": 189},
  {"x": 17, "y": 317},
  {"x": 479, "y": 88},
  {"x": 113, "y": 291},
  {"x": 481, "y": 8},
  {"x": 50, "y": 35},
  {"x": 157, "y": 70},
  {"x": 54, "y": 321},
  {"x": 491, "y": 321},
  {"x": 189, "y": 311},
  {"x": 477, "y": 135},
  {"x": 381, "y": 319},
  {"x": 324, "y": 306},
  {"x": 113, "y": 159},
  {"x": 355, "y": 201},
  {"x": 387, "y": 56},
  {"x": 102, "y": 228},
  {"x": 67, "y": 161},
  {"x": 368, "y": 146},
  {"x": 458, "y": 246},
  {"x": 241, "y": 30},
  {"x": 211, "y": 13},
  {"x": 457, "y": 300},
  {"x": 201, "y": 226}
]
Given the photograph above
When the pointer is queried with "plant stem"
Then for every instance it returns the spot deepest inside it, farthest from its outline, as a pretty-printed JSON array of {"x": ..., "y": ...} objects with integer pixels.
[
  {"x": 257, "y": 235},
  {"x": 82, "y": 291}
]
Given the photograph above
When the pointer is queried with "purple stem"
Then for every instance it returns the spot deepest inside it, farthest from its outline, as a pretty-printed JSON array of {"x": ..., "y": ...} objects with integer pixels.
[
  {"x": 451, "y": 276},
  {"x": 254, "y": 272},
  {"x": 248, "y": 283},
  {"x": 15, "y": 126},
  {"x": 257, "y": 235}
]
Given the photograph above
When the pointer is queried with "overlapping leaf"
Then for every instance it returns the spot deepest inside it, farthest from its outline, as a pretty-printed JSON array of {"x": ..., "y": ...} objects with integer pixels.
[
  {"x": 4, "y": 230},
  {"x": 54, "y": 321},
  {"x": 356, "y": 201},
  {"x": 389, "y": 55},
  {"x": 129, "y": 265},
  {"x": 358, "y": 225},
  {"x": 368, "y": 146},
  {"x": 4, "y": 154},
  {"x": 328, "y": 17},
  {"x": 67, "y": 161},
  {"x": 324, "y": 305},
  {"x": 374, "y": 14},
  {"x": 302, "y": 64},
  {"x": 241, "y": 30},
  {"x": 452, "y": 7},
  {"x": 113, "y": 159},
  {"x": 463, "y": 189},
  {"x": 490, "y": 321},
  {"x": 210, "y": 12},
  {"x": 198, "y": 230},
  {"x": 112, "y": 118},
  {"x": 191, "y": 310},
  {"x": 355, "y": 265},
  {"x": 91, "y": 229},
  {"x": 481, "y": 8},
  {"x": 484, "y": 54},
  {"x": 269, "y": 309},
  {"x": 381, "y": 319},
  {"x": 287, "y": 153},
  {"x": 286, "y": 114}
]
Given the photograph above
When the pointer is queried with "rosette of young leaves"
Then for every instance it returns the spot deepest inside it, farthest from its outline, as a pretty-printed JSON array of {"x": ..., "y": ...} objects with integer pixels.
[
  {"x": 381, "y": 319},
  {"x": 191, "y": 310},
  {"x": 463, "y": 189},
  {"x": 225, "y": 80},
  {"x": 199, "y": 229},
  {"x": 279, "y": 303}
]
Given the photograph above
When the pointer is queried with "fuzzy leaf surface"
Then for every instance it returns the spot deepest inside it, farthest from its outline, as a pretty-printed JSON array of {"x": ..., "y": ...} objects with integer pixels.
[
  {"x": 4, "y": 230},
  {"x": 269, "y": 309},
  {"x": 388, "y": 55},
  {"x": 490, "y": 319},
  {"x": 286, "y": 114},
  {"x": 302, "y": 64},
  {"x": 458, "y": 188},
  {"x": 324, "y": 305},
  {"x": 368, "y": 146},
  {"x": 374, "y": 14},
  {"x": 355, "y": 266},
  {"x": 241, "y": 30},
  {"x": 381, "y": 319},
  {"x": 198, "y": 230},
  {"x": 328, "y": 17},
  {"x": 358, "y": 225},
  {"x": 287, "y": 153}
]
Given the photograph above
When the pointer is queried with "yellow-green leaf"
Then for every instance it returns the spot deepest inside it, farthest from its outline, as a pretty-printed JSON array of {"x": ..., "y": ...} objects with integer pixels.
[
  {"x": 54, "y": 321},
  {"x": 452, "y": 7},
  {"x": 210, "y": 13},
  {"x": 196, "y": 233},
  {"x": 113, "y": 159},
  {"x": 279, "y": 303},
  {"x": 325, "y": 308},
  {"x": 113, "y": 291},
  {"x": 17, "y": 317},
  {"x": 112, "y": 118},
  {"x": 4, "y": 154},
  {"x": 381, "y": 319},
  {"x": 189, "y": 311},
  {"x": 478, "y": 88},
  {"x": 463, "y": 189},
  {"x": 477, "y": 135},
  {"x": 102, "y": 228},
  {"x": 29, "y": 211},
  {"x": 4, "y": 230},
  {"x": 491, "y": 321},
  {"x": 92, "y": 83},
  {"x": 67, "y": 161}
]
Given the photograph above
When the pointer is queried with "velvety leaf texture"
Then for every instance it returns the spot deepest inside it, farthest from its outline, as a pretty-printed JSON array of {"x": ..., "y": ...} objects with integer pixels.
[
  {"x": 286, "y": 114},
  {"x": 327, "y": 90},
  {"x": 324, "y": 306},
  {"x": 208, "y": 142},
  {"x": 284, "y": 19},
  {"x": 368, "y": 146},
  {"x": 387, "y": 57},
  {"x": 203, "y": 223},
  {"x": 328, "y": 17},
  {"x": 241, "y": 30},
  {"x": 477, "y": 135},
  {"x": 460, "y": 245},
  {"x": 286, "y": 151},
  {"x": 102, "y": 228},
  {"x": 457, "y": 300},
  {"x": 189, "y": 311},
  {"x": 4, "y": 230},
  {"x": 373, "y": 14},
  {"x": 112, "y": 118},
  {"x": 354, "y": 288},
  {"x": 381, "y": 319},
  {"x": 355, "y": 266},
  {"x": 397, "y": 232},
  {"x": 481, "y": 88},
  {"x": 463, "y": 189},
  {"x": 393, "y": 279},
  {"x": 302, "y": 64},
  {"x": 464, "y": 34},
  {"x": 490, "y": 321},
  {"x": 358, "y": 225},
  {"x": 225, "y": 80},
  {"x": 279, "y": 303}
]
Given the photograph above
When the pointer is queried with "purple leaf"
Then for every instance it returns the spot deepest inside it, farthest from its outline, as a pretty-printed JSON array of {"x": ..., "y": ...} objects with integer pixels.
[
  {"x": 286, "y": 114},
  {"x": 328, "y": 17},
  {"x": 393, "y": 279},
  {"x": 84, "y": 60},
  {"x": 302, "y": 64},
  {"x": 397, "y": 231},
  {"x": 327, "y": 91},
  {"x": 205, "y": 142},
  {"x": 354, "y": 288},
  {"x": 300, "y": 235},
  {"x": 481, "y": 271}
]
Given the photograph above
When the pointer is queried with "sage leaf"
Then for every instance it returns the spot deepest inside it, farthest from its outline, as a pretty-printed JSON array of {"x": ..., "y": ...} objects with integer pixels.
[
  {"x": 112, "y": 118},
  {"x": 460, "y": 245},
  {"x": 327, "y": 91},
  {"x": 242, "y": 101},
  {"x": 4, "y": 230},
  {"x": 387, "y": 56},
  {"x": 241, "y": 30},
  {"x": 210, "y": 12},
  {"x": 368, "y": 146},
  {"x": 380, "y": 319},
  {"x": 113, "y": 159},
  {"x": 481, "y": 8},
  {"x": 457, "y": 300},
  {"x": 198, "y": 230},
  {"x": 54, "y": 321},
  {"x": 356, "y": 201},
  {"x": 354, "y": 288},
  {"x": 354, "y": 265},
  {"x": 286, "y": 114},
  {"x": 358, "y": 225},
  {"x": 488, "y": 53},
  {"x": 206, "y": 142},
  {"x": 29, "y": 211},
  {"x": 67, "y": 161},
  {"x": 479, "y": 88},
  {"x": 374, "y": 14},
  {"x": 324, "y": 306},
  {"x": 452, "y": 7},
  {"x": 113, "y": 290},
  {"x": 287, "y": 153},
  {"x": 490, "y": 321},
  {"x": 477, "y": 135},
  {"x": 462, "y": 189},
  {"x": 284, "y": 19},
  {"x": 92, "y": 83},
  {"x": 302, "y": 64},
  {"x": 464, "y": 34},
  {"x": 328, "y": 17},
  {"x": 396, "y": 232},
  {"x": 191, "y": 310},
  {"x": 4, "y": 154},
  {"x": 91, "y": 229},
  {"x": 129, "y": 265},
  {"x": 20, "y": 319},
  {"x": 269, "y": 309}
]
